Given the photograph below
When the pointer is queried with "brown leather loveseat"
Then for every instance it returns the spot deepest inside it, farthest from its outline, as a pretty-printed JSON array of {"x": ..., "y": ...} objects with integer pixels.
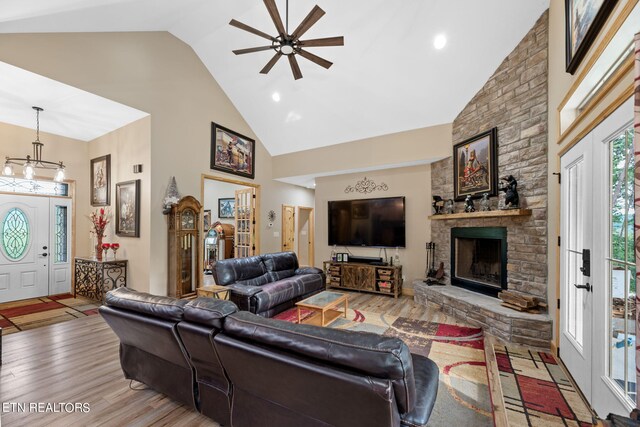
[
  {"x": 246, "y": 370},
  {"x": 268, "y": 284}
]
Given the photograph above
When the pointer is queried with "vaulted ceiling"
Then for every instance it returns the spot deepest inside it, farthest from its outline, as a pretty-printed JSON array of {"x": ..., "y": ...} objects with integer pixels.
[{"x": 387, "y": 78}]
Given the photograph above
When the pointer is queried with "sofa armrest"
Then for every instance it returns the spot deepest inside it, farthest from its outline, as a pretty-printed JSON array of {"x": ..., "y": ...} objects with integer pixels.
[
  {"x": 308, "y": 270},
  {"x": 241, "y": 296},
  {"x": 244, "y": 290}
]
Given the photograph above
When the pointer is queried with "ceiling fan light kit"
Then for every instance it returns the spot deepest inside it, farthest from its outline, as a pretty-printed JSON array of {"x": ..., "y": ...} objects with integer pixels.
[{"x": 289, "y": 44}]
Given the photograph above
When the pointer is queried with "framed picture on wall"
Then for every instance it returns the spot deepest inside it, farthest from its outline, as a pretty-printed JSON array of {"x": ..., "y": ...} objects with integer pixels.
[
  {"x": 101, "y": 181},
  {"x": 475, "y": 166},
  {"x": 128, "y": 208},
  {"x": 583, "y": 21},
  {"x": 232, "y": 152},
  {"x": 226, "y": 207}
]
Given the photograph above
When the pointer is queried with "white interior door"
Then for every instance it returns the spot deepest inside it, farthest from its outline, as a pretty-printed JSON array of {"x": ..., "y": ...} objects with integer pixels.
[
  {"x": 24, "y": 247},
  {"x": 576, "y": 300}
]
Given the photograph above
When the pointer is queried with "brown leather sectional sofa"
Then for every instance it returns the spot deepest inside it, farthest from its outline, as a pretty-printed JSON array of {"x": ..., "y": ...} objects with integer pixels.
[{"x": 245, "y": 370}]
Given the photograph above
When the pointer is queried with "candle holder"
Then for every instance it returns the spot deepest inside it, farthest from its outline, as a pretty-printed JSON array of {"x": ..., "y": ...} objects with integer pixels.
[
  {"x": 114, "y": 248},
  {"x": 105, "y": 249}
]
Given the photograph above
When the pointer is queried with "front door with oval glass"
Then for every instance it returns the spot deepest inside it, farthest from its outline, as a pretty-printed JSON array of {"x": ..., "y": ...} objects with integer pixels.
[{"x": 34, "y": 246}]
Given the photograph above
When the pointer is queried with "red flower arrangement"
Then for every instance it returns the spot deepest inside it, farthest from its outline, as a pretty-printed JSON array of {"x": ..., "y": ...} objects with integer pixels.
[{"x": 99, "y": 220}]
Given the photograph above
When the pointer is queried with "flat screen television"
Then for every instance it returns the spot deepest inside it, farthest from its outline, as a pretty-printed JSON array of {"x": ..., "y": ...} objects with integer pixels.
[{"x": 367, "y": 222}]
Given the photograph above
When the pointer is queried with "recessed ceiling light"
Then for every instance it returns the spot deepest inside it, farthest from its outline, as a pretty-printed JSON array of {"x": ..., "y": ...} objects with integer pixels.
[
  {"x": 440, "y": 41},
  {"x": 275, "y": 96}
]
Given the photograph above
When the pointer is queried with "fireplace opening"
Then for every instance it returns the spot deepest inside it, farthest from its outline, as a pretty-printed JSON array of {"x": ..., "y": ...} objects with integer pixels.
[{"x": 479, "y": 259}]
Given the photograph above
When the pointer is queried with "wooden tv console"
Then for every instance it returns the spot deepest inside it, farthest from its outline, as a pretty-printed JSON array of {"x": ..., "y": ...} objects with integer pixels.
[{"x": 377, "y": 279}]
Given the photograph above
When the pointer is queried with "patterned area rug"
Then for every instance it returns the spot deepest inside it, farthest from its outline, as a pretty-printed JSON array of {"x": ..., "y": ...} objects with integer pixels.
[
  {"x": 32, "y": 313},
  {"x": 463, "y": 393},
  {"x": 536, "y": 390}
]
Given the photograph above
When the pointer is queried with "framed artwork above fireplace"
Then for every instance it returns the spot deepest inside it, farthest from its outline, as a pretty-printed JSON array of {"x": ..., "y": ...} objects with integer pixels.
[{"x": 475, "y": 166}]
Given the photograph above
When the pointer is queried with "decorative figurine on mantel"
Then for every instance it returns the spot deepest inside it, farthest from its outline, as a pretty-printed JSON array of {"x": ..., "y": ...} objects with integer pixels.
[
  {"x": 437, "y": 204},
  {"x": 510, "y": 188},
  {"x": 468, "y": 205},
  {"x": 485, "y": 203},
  {"x": 448, "y": 207}
]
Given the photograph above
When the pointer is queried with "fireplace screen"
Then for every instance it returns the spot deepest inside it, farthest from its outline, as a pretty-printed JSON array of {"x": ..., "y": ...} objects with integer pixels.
[{"x": 479, "y": 259}]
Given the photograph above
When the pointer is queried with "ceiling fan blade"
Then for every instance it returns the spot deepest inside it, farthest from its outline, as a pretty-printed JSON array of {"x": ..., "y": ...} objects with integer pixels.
[
  {"x": 252, "y": 30},
  {"x": 313, "y": 16},
  {"x": 271, "y": 63},
  {"x": 329, "y": 41},
  {"x": 295, "y": 69},
  {"x": 251, "y": 50},
  {"x": 275, "y": 16},
  {"x": 313, "y": 58}
]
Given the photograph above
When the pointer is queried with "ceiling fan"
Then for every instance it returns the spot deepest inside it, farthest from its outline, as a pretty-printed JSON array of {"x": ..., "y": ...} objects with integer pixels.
[{"x": 289, "y": 44}]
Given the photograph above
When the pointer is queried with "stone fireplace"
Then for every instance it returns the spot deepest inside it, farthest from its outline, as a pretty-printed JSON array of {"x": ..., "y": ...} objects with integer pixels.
[
  {"x": 479, "y": 259},
  {"x": 515, "y": 100}
]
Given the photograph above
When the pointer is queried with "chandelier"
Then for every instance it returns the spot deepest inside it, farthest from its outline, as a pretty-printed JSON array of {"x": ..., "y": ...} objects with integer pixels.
[{"x": 30, "y": 164}]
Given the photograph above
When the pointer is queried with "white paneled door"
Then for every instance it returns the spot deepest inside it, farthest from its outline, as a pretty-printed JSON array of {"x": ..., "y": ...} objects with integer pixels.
[
  {"x": 34, "y": 246},
  {"x": 597, "y": 264},
  {"x": 576, "y": 284}
]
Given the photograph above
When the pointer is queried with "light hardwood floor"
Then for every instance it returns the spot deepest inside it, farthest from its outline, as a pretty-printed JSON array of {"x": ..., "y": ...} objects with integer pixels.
[{"x": 77, "y": 361}]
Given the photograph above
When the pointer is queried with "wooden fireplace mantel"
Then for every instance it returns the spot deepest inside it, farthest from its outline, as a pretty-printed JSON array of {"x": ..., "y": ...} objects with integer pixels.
[{"x": 487, "y": 214}]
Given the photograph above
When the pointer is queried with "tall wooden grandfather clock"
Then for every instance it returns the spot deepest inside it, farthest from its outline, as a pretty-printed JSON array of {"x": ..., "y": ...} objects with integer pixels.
[{"x": 185, "y": 235}]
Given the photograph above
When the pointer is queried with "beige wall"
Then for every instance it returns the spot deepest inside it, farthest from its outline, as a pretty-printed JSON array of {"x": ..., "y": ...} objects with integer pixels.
[
  {"x": 560, "y": 84},
  {"x": 414, "y": 183},
  {"x": 274, "y": 195},
  {"x": 128, "y": 146},
  {"x": 411, "y": 147},
  {"x": 15, "y": 141},
  {"x": 157, "y": 73}
]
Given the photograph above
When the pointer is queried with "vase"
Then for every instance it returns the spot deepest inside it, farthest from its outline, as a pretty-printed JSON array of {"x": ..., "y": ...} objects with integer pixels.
[{"x": 99, "y": 249}]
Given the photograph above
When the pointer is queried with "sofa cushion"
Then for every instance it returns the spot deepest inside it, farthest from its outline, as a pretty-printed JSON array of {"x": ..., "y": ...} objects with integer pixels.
[
  {"x": 280, "y": 265},
  {"x": 379, "y": 356},
  {"x": 247, "y": 271},
  {"x": 209, "y": 311},
  {"x": 162, "y": 307},
  {"x": 287, "y": 289}
]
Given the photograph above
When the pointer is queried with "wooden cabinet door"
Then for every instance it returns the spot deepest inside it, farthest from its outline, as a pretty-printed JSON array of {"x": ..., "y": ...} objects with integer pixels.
[{"x": 358, "y": 277}]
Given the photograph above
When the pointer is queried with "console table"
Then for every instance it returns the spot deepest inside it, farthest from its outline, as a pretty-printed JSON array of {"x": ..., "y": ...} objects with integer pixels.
[
  {"x": 377, "y": 279},
  {"x": 93, "y": 278}
]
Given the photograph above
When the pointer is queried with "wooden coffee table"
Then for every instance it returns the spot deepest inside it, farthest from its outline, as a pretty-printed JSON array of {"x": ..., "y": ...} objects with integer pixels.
[{"x": 324, "y": 305}]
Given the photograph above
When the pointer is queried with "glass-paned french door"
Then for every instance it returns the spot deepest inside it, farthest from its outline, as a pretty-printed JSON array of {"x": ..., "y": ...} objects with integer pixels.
[
  {"x": 597, "y": 264},
  {"x": 245, "y": 230},
  {"x": 620, "y": 263}
]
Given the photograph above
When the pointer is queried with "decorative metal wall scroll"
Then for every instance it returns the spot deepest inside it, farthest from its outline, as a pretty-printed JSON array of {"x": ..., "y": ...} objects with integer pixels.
[{"x": 366, "y": 186}]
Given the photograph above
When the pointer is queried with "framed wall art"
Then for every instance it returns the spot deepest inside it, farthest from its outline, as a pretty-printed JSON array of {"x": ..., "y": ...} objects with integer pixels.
[
  {"x": 232, "y": 152},
  {"x": 583, "y": 21},
  {"x": 101, "y": 181},
  {"x": 128, "y": 208},
  {"x": 475, "y": 166},
  {"x": 226, "y": 207}
]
